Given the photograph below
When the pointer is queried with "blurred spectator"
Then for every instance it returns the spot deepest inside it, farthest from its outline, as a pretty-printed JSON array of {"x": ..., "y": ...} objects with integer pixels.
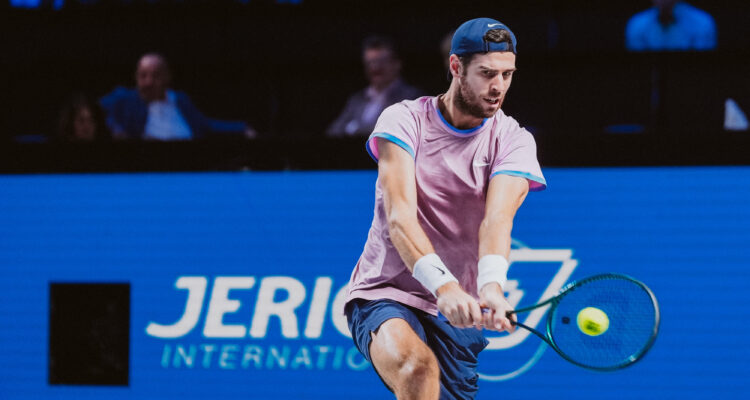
[
  {"x": 445, "y": 51},
  {"x": 154, "y": 111},
  {"x": 671, "y": 25},
  {"x": 383, "y": 71},
  {"x": 81, "y": 120}
]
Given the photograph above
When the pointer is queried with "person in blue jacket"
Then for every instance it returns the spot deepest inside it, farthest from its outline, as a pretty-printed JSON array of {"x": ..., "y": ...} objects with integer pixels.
[
  {"x": 671, "y": 25},
  {"x": 153, "y": 111}
]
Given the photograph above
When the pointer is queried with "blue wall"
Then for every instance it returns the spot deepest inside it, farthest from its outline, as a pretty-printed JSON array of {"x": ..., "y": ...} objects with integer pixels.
[{"x": 259, "y": 242}]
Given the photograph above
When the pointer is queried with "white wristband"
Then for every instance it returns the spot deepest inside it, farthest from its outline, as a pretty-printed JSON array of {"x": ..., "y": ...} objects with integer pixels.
[
  {"x": 492, "y": 268},
  {"x": 432, "y": 273}
]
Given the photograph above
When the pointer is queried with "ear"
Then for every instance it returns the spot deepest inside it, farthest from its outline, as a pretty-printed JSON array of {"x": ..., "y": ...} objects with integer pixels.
[{"x": 456, "y": 67}]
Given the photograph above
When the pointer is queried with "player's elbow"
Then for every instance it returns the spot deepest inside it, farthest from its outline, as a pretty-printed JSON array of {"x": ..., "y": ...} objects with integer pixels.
[
  {"x": 399, "y": 217},
  {"x": 396, "y": 224}
]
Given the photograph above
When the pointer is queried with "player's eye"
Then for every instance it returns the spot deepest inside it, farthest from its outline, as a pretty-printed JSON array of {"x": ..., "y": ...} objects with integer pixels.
[{"x": 507, "y": 74}]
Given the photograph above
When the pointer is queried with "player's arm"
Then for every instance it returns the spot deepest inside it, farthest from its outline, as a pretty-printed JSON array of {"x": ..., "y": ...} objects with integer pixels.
[
  {"x": 398, "y": 181},
  {"x": 504, "y": 196},
  {"x": 397, "y": 176}
]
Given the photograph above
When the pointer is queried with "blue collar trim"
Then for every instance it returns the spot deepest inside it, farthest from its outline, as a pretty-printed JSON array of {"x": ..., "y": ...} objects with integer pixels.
[{"x": 453, "y": 128}]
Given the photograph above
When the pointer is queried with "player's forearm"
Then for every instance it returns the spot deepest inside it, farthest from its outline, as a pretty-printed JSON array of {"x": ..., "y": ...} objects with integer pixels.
[
  {"x": 407, "y": 236},
  {"x": 495, "y": 235},
  {"x": 506, "y": 194},
  {"x": 418, "y": 255}
]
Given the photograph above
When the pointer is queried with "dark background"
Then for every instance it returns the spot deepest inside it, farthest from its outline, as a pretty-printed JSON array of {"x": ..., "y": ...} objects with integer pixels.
[{"x": 287, "y": 69}]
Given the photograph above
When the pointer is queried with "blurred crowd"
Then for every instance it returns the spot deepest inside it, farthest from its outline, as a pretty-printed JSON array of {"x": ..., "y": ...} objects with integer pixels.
[{"x": 152, "y": 109}]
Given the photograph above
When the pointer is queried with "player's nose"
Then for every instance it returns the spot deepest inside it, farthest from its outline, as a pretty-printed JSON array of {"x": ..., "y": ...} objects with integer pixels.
[
  {"x": 502, "y": 83},
  {"x": 497, "y": 86}
]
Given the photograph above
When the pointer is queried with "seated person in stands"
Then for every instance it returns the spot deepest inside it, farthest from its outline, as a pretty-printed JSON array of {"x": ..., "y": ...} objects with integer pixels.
[
  {"x": 445, "y": 51},
  {"x": 383, "y": 71},
  {"x": 81, "y": 120},
  {"x": 153, "y": 111},
  {"x": 671, "y": 25}
]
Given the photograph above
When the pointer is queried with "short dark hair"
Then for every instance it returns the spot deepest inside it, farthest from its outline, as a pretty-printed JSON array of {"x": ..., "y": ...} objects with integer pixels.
[
  {"x": 495, "y": 36},
  {"x": 380, "y": 42},
  {"x": 73, "y": 104}
]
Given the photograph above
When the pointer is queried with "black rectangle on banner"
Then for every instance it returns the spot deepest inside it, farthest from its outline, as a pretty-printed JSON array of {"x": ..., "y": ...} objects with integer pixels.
[{"x": 89, "y": 333}]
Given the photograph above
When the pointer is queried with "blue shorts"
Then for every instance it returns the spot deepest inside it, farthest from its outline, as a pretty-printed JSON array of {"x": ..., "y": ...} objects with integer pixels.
[{"x": 456, "y": 349}]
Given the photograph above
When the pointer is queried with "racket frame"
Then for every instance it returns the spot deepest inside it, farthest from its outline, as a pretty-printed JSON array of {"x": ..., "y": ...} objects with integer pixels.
[{"x": 555, "y": 300}]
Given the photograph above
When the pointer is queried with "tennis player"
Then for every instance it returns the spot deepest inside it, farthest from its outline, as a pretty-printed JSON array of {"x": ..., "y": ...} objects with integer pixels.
[{"x": 452, "y": 171}]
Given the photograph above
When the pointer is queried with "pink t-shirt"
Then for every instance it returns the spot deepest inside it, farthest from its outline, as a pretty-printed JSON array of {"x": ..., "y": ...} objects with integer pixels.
[{"x": 453, "y": 171}]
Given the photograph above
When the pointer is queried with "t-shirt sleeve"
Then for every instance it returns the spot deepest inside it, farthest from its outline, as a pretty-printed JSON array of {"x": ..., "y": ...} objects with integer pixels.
[
  {"x": 396, "y": 124},
  {"x": 517, "y": 157}
]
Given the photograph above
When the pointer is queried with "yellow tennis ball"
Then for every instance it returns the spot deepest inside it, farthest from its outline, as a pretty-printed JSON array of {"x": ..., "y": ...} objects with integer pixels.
[{"x": 592, "y": 321}]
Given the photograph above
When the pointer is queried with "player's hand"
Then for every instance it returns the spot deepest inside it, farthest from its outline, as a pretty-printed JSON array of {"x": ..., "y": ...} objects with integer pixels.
[
  {"x": 492, "y": 299},
  {"x": 459, "y": 307}
]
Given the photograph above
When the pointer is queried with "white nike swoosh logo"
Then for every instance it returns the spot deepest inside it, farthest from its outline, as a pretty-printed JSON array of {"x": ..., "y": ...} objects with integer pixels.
[
  {"x": 491, "y": 25},
  {"x": 480, "y": 164}
]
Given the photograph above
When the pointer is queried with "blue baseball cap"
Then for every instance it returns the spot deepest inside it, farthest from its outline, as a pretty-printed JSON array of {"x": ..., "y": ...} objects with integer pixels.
[{"x": 469, "y": 37}]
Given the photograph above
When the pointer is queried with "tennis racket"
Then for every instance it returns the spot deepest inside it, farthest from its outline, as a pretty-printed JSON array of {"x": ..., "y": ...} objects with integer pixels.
[{"x": 603, "y": 322}]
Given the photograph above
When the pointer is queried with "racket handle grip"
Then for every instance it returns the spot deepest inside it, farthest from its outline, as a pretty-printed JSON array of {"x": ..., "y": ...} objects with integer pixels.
[{"x": 507, "y": 314}]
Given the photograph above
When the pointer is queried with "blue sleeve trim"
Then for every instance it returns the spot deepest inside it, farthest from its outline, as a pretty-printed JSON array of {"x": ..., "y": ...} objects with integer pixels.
[
  {"x": 541, "y": 182},
  {"x": 391, "y": 138}
]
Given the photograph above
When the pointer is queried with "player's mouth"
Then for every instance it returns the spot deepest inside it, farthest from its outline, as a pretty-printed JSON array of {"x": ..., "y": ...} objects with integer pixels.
[{"x": 492, "y": 100}]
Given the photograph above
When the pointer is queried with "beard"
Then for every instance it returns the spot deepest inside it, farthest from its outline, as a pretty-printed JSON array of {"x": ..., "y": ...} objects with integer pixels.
[{"x": 470, "y": 103}]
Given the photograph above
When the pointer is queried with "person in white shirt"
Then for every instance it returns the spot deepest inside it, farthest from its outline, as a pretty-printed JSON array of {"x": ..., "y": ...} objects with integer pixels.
[{"x": 153, "y": 111}]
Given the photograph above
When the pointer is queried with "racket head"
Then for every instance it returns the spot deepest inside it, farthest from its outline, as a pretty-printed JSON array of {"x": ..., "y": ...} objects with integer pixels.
[{"x": 633, "y": 322}]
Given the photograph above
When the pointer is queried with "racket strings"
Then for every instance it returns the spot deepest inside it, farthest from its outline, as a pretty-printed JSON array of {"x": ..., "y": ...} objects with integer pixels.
[{"x": 631, "y": 315}]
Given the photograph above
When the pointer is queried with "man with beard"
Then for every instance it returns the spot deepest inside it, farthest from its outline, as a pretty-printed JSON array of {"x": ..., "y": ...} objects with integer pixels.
[{"x": 452, "y": 171}]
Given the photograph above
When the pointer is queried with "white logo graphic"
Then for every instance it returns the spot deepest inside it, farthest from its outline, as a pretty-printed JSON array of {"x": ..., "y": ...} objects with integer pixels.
[
  {"x": 224, "y": 322},
  {"x": 527, "y": 257},
  {"x": 491, "y": 25},
  {"x": 216, "y": 343},
  {"x": 266, "y": 307}
]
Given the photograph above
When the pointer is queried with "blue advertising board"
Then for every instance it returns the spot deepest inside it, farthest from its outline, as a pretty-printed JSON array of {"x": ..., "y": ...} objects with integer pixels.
[{"x": 237, "y": 280}]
